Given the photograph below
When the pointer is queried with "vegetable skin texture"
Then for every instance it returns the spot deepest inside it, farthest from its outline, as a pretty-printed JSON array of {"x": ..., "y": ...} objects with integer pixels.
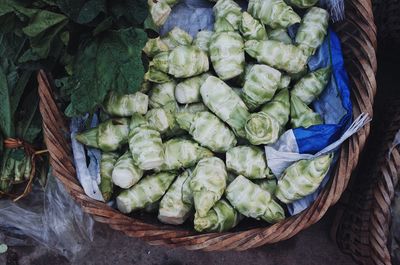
[
  {"x": 146, "y": 147},
  {"x": 207, "y": 184},
  {"x": 202, "y": 39},
  {"x": 160, "y": 10},
  {"x": 154, "y": 47},
  {"x": 312, "y": 31},
  {"x": 107, "y": 162},
  {"x": 222, "y": 217},
  {"x": 177, "y": 37},
  {"x": 225, "y": 103},
  {"x": 192, "y": 108},
  {"x": 172, "y": 209},
  {"x": 302, "y": 3},
  {"x": 156, "y": 76},
  {"x": 89, "y": 137},
  {"x": 125, "y": 173},
  {"x": 227, "y": 54},
  {"x": 126, "y": 105},
  {"x": 182, "y": 61},
  {"x": 278, "y": 55},
  {"x": 302, "y": 115},
  {"x": 162, "y": 119},
  {"x": 147, "y": 191},
  {"x": 208, "y": 130},
  {"x": 280, "y": 34},
  {"x": 113, "y": 134},
  {"x": 260, "y": 85},
  {"x": 183, "y": 153},
  {"x": 265, "y": 126},
  {"x": 308, "y": 88},
  {"x": 274, "y": 13},
  {"x": 251, "y": 28},
  {"x": 162, "y": 94},
  {"x": 252, "y": 201},
  {"x": 228, "y": 10},
  {"x": 269, "y": 185},
  {"x": 248, "y": 161},
  {"x": 188, "y": 91},
  {"x": 302, "y": 178}
]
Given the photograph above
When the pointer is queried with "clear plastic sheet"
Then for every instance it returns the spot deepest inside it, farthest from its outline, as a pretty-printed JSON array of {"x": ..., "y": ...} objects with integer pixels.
[{"x": 50, "y": 217}]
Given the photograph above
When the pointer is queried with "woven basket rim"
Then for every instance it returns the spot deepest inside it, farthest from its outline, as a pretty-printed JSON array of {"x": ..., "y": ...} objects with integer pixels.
[{"x": 361, "y": 64}]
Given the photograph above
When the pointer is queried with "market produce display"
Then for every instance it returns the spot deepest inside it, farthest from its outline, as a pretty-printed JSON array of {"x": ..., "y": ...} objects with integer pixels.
[{"x": 188, "y": 143}]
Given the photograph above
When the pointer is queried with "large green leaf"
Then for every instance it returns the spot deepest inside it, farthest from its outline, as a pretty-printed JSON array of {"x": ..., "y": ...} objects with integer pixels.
[
  {"x": 135, "y": 12},
  {"x": 5, "y": 114},
  {"x": 82, "y": 12},
  {"x": 110, "y": 61}
]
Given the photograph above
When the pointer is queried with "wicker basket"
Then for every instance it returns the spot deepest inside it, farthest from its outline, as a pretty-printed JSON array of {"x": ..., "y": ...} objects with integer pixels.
[{"x": 358, "y": 36}]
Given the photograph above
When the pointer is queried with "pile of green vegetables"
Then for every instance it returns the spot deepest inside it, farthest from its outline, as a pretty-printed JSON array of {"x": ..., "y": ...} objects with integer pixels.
[{"x": 190, "y": 140}]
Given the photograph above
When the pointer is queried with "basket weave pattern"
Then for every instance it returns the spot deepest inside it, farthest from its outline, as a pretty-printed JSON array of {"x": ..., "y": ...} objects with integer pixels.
[{"x": 358, "y": 36}]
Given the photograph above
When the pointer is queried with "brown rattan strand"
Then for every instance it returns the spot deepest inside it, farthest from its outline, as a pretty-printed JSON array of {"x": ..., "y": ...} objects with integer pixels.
[
  {"x": 363, "y": 226},
  {"x": 358, "y": 35}
]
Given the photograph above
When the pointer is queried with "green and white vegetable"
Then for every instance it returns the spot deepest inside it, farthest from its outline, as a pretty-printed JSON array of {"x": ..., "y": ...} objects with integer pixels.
[
  {"x": 227, "y": 54},
  {"x": 147, "y": 191},
  {"x": 312, "y": 30},
  {"x": 280, "y": 34},
  {"x": 202, "y": 39},
  {"x": 248, "y": 161},
  {"x": 154, "y": 47},
  {"x": 173, "y": 210},
  {"x": 182, "y": 153},
  {"x": 277, "y": 54},
  {"x": 269, "y": 185},
  {"x": 220, "y": 218},
  {"x": 182, "y": 61},
  {"x": 260, "y": 85},
  {"x": 146, "y": 147},
  {"x": 310, "y": 87},
  {"x": 207, "y": 184},
  {"x": 160, "y": 10},
  {"x": 177, "y": 37},
  {"x": 156, "y": 76},
  {"x": 302, "y": 3},
  {"x": 302, "y": 115},
  {"x": 274, "y": 13},
  {"x": 188, "y": 91},
  {"x": 208, "y": 130},
  {"x": 252, "y": 201},
  {"x": 126, "y": 105},
  {"x": 225, "y": 103},
  {"x": 302, "y": 178},
  {"x": 284, "y": 82},
  {"x": 162, "y": 94},
  {"x": 187, "y": 195},
  {"x": 136, "y": 121},
  {"x": 229, "y": 11},
  {"x": 251, "y": 28},
  {"x": 107, "y": 163},
  {"x": 125, "y": 174},
  {"x": 192, "y": 108},
  {"x": 266, "y": 126},
  {"x": 163, "y": 119}
]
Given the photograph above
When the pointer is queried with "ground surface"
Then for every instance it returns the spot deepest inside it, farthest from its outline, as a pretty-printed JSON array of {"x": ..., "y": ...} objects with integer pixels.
[{"x": 310, "y": 247}]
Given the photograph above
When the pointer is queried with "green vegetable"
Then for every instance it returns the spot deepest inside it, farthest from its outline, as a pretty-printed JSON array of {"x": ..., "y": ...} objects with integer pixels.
[
  {"x": 302, "y": 115},
  {"x": 251, "y": 28},
  {"x": 125, "y": 173},
  {"x": 156, "y": 76},
  {"x": 248, "y": 161},
  {"x": 146, "y": 147},
  {"x": 202, "y": 39},
  {"x": 163, "y": 119},
  {"x": 266, "y": 126},
  {"x": 274, "y": 13},
  {"x": 225, "y": 103},
  {"x": 160, "y": 10},
  {"x": 312, "y": 30},
  {"x": 172, "y": 209},
  {"x": 310, "y": 87},
  {"x": 208, "y": 183},
  {"x": 187, "y": 195},
  {"x": 222, "y": 217},
  {"x": 154, "y": 47},
  {"x": 280, "y": 34},
  {"x": 261, "y": 83},
  {"x": 227, "y": 54},
  {"x": 284, "y": 82},
  {"x": 302, "y": 3},
  {"x": 107, "y": 163},
  {"x": 126, "y": 105},
  {"x": 302, "y": 178},
  {"x": 192, "y": 108},
  {"x": 147, "y": 191},
  {"x": 269, "y": 185},
  {"x": 182, "y": 61},
  {"x": 208, "y": 130},
  {"x": 188, "y": 91},
  {"x": 229, "y": 11},
  {"x": 182, "y": 153},
  {"x": 252, "y": 201},
  {"x": 162, "y": 94},
  {"x": 277, "y": 54},
  {"x": 177, "y": 37}
]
